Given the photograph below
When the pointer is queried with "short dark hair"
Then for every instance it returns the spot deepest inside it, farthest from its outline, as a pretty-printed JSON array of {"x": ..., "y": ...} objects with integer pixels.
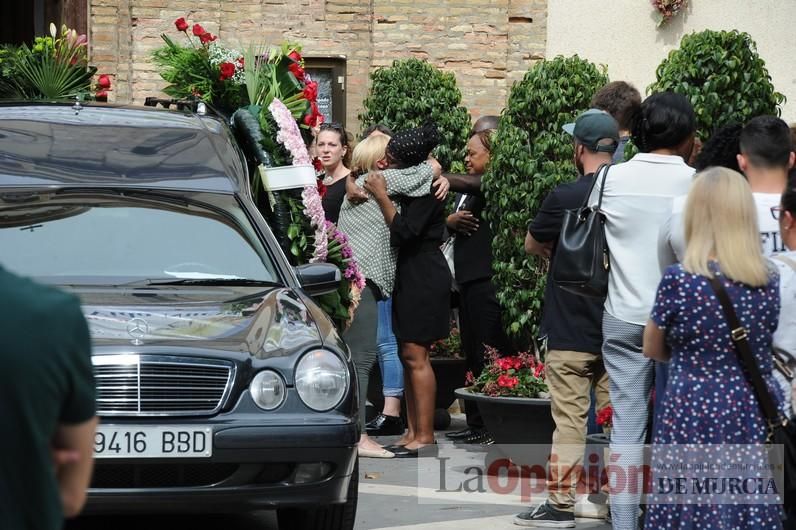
[
  {"x": 383, "y": 129},
  {"x": 766, "y": 142},
  {"x": 664, "y": 121},
  {"x": 485, "y": 123},
  {"x": 619, "y": 99},
  {"x": 721, "y": 149}
]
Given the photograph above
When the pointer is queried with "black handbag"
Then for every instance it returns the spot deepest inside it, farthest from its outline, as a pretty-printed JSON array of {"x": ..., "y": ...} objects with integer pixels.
[
  {"x": 581, "y": 262},
  {"x": 781, "y": 431}
]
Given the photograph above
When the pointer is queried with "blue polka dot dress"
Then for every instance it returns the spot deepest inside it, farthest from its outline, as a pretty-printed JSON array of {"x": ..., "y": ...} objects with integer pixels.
[{"x": 708, "y": 400}]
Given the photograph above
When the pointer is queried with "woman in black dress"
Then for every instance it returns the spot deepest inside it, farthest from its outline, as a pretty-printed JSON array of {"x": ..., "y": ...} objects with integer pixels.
[
  {"x": 333, "y": 149},
  {"x": 421, "y": 298}
]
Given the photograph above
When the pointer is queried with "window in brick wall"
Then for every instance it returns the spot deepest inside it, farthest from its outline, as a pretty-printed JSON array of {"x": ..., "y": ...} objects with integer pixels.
[
  {"x": 22, "y": 20},
  {"x": 330, "y": 74}
]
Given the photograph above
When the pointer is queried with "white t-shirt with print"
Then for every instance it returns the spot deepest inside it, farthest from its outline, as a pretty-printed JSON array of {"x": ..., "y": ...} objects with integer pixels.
[{"x": 671, "y": 238}]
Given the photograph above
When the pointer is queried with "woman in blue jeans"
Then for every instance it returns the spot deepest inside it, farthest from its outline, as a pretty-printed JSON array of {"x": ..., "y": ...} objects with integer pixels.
[{"x": 389, "y": 422}]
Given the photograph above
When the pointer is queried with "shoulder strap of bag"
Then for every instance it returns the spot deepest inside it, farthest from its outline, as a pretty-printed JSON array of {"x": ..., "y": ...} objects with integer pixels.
[
  {"x": 739, "y": 338},
  {"x": 604, "y": 169}
]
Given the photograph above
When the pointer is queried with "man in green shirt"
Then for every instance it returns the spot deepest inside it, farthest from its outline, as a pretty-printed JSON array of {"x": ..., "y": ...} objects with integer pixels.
[{"x": 47, "y": 405}]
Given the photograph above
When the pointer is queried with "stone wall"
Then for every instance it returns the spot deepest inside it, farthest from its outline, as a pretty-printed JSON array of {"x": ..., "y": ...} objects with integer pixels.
[{"x": 488, "y": 44}]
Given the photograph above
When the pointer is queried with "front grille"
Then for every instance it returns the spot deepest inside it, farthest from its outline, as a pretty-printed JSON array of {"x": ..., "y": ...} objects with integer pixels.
[
  {"x": 110, "y": 476},
  {"x": 152, "y": 385}
]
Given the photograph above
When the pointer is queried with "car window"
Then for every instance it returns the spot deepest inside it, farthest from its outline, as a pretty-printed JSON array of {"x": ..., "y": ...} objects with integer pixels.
[{"x": 114, "y": 241}]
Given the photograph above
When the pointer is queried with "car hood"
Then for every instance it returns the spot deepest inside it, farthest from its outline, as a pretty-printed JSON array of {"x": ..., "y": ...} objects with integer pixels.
[{"x": 263, "y": 322}]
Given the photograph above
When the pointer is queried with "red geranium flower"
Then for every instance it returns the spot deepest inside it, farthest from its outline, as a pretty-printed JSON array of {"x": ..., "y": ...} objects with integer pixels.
[
  {"x": 227, "y": 70},
  {"x": 506, "y": 381},
  {"x": 104, "y": 82},
  {"x": 604, "y": 416},
  {"x": 181, "y": 24}
]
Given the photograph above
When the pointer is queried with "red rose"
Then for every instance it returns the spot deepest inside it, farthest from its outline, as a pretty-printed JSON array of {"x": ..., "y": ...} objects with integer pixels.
[
  {"x": 101, "y": 95},
  {"x": 198, "y": 30},
  {"x": 296, "y": 56},
  {"x": 104, "y": 82},
  {"x": 227, "y": 70},
  {"x": 207, "y": 37},
  {"x": 321, "y": 189},
  {"x": 296, "y": 70},
  {"x": 181, "y": 24},
  {"x": 311, "y": 91},
  {"x": 316, "y": 163}
]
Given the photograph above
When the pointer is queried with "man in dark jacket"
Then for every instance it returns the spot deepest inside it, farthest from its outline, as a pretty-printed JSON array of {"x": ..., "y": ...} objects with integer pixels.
[{"x": 572, "y": 326}]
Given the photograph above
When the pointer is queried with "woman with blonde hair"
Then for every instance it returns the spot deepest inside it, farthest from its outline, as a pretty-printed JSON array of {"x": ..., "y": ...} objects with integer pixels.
[{"x": 709, "y": 400}]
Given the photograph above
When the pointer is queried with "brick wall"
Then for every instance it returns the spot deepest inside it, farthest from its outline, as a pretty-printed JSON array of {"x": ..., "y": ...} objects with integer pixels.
[{"x": 488, "y": 44}]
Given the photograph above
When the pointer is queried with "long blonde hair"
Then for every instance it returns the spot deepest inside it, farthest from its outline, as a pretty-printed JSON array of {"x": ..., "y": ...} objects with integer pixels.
[
  {"x": 721, "y": 224},
  {"x": 368, "y": 152}
]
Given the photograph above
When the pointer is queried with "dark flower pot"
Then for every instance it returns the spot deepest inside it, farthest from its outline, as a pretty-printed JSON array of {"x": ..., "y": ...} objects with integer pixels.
[{"x": 522, "y": 427}]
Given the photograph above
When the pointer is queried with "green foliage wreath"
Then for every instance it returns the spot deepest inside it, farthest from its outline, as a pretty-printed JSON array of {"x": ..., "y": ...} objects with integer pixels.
[{"x": 530, "y": 156}]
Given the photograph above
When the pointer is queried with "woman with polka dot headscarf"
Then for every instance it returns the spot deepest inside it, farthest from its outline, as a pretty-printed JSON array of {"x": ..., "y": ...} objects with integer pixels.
[{"x": 421, "y": 296}]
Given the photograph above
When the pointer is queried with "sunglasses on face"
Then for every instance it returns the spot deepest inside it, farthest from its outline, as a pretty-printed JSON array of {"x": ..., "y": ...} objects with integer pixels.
[{"x": 776, "y": 212}]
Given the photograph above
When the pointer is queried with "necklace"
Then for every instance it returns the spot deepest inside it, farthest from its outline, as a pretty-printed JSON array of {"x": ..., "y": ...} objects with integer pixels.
[{"x": 328, "y": 180}]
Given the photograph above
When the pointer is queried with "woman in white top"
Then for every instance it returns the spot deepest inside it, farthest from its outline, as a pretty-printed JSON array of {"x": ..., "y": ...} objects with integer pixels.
[
  {"x": 785, "y": 336},
  {"x": 637, "y": 199}
]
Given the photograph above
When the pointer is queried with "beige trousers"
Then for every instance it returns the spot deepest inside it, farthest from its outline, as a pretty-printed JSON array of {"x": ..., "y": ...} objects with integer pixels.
[{"x": 570, "y": 377}]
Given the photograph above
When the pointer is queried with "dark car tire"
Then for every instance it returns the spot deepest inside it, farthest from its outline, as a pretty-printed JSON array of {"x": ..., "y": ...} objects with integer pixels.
[{"x": 332, "y": 517}]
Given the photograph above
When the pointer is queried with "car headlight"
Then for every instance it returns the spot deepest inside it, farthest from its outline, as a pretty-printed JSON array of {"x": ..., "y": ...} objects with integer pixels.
[
  {"x": 267, "y": 390},
  {"x": 321, "y": 380}
]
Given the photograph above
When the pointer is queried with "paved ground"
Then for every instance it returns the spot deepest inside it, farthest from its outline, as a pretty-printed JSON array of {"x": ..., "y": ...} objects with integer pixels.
[{"x": 395, "y": 494}]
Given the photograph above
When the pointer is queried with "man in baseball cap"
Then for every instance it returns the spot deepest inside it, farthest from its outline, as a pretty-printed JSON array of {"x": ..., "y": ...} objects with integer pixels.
[
  {"x": 572, "y": 326},
  {"x": 596, "y": 130}
]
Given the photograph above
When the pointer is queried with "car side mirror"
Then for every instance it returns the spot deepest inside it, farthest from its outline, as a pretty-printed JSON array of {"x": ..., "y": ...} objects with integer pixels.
[{"x": 318, "y": 278}]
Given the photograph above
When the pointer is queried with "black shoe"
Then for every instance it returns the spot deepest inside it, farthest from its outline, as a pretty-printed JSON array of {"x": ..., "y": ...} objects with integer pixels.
[
  {"x": 383, "y": 425},
  {"x": 477, "y": 438},
  {"x": 459, "y": 435},
  {"x": 426, "y": 450},
  {"x": 545, "y": 516}
]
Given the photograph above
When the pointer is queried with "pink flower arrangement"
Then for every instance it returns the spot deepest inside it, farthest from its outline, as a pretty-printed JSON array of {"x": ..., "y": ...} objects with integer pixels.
[{"x": 289, "y": 134}]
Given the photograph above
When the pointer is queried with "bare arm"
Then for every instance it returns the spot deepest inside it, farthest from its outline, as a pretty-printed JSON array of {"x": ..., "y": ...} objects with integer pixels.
[
  {"x": 654, "y": 343},
  {"x": 74, "y": 474},
  {"x": 532, "y": 246}
]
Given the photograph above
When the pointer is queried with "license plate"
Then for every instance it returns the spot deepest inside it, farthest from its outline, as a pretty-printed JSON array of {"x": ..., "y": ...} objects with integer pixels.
[{"x": 148, "y": 441}]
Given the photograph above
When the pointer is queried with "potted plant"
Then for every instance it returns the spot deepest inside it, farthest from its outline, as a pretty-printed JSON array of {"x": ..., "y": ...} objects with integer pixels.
[
  {"x": 513, "y": 399},
  {"x": 450, "y": 369}
]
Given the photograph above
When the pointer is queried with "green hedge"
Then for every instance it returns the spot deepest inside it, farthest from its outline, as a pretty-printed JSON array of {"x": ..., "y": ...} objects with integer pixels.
[
  {"x": 412, "y": 91},
  {"x": 723, "y": 76},
  {"x": 531, "y": 155}
]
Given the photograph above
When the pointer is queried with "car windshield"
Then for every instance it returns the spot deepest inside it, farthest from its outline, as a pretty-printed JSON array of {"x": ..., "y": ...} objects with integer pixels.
[{"x": 113, "y": 240}]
